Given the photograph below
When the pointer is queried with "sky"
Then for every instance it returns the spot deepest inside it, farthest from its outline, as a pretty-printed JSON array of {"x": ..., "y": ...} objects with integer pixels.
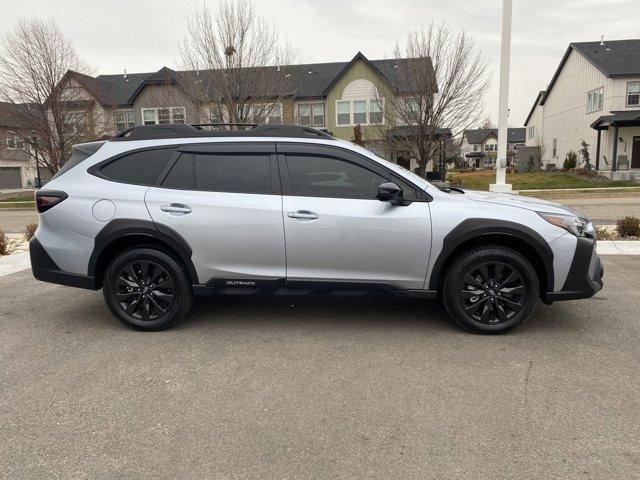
[{"x": 142, "y": 35}]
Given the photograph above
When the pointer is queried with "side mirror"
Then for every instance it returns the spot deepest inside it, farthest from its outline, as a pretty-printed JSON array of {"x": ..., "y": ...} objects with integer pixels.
[{"x": 390, "y": 192}]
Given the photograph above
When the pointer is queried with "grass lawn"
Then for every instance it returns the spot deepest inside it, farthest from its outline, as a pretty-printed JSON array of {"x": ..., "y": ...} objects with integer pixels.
[
  {"x": 25, "y": 197},
  {"x": 480, "y": 180},
  {"x": 17, "y": 205}
]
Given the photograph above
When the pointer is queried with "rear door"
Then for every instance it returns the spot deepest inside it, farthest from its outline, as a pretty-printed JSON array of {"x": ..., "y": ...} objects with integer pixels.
[
  {"x": 337, "y": 231},
  {"x": 225, "y": 201}
]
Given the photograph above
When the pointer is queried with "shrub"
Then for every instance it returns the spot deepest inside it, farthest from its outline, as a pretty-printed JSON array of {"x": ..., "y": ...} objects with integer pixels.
[
  {"x": 628, "y": 226},
  {"x": 586, "y": 172},
  {"x": 602, "y": 233},
  {"x": 29, "y": 231},
  {"x": 571, "y": 160},
  {"x": 456, "y": 182},
  {"x": 4, "y": 243}
]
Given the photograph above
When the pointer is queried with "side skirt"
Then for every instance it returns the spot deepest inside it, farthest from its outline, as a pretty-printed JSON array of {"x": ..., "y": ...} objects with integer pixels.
[{"x": 283, "y": 287}]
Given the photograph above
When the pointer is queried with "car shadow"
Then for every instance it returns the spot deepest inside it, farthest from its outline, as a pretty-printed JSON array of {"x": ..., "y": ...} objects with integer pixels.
[{"x": 326, "y": 311}]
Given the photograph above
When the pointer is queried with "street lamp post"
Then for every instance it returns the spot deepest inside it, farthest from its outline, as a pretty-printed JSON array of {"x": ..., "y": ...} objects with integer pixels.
[{"x": 503, "y": 114}]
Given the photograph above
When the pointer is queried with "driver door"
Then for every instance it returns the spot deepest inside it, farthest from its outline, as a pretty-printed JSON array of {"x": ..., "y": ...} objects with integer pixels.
[{"x": 337, "y": 231}]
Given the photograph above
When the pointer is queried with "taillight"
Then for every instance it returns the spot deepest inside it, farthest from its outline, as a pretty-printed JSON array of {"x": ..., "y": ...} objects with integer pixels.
[{"x": 46, "y": 200}]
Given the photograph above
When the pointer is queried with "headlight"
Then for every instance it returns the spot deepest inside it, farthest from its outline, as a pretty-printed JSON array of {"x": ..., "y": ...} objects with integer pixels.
[{"x": 580, "y": 227}]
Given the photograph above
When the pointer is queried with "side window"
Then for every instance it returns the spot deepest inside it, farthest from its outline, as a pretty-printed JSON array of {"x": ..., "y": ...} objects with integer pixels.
[
  {"x": 315, "y": 176},
  {"x": 243, "y": 173},
  {"x": 140, "y": 168},
  {"x": 181, "y": 174}
]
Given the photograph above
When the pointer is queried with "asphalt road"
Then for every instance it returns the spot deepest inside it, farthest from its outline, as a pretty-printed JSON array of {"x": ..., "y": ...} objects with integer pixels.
[
  {"x": 318, "y": 388},
  {"x": 15, "y": 221}
]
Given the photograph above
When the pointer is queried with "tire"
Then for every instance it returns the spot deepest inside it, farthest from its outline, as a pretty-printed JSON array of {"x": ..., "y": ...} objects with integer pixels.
[
  {"x": 490, "y": 289},
  {"x": 147, "y": 289}
]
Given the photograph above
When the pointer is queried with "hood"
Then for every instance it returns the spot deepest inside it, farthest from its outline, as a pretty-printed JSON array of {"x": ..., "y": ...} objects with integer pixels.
[{"x": 520, "y": 201}]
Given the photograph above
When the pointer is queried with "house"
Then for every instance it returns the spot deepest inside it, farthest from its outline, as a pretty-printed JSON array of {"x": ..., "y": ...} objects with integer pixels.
[
  {"x": 330, "y": 96},
  {"x": 17, "y": 165},
  {"x": 480, "y": 147},
  {"x": 593, "y": 96}
]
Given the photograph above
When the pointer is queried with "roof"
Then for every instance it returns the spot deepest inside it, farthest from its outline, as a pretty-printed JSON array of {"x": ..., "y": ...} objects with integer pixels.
[
  {"x": 309, "y": 80},
  {"x": 540, "y": 96},
  {"x": 407, "y": 130},
  {"x": 514, "y": 135},
  {"x": 11, "y": 114},
  {"x": 614, "y": 58},
  {"x": 621, "y": 118}
]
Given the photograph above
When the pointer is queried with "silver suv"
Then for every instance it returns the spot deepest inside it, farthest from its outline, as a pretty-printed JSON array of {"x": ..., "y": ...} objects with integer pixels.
[{"x": 160, "y": 214}]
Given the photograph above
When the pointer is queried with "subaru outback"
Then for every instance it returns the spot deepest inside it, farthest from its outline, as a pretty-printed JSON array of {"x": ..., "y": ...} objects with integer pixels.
[{"x": 160, "y": 214}]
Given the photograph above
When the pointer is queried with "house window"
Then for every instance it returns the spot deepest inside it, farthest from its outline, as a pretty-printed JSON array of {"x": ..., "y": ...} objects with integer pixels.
[
  {"x": 215, "y": 115},
  {"x": 344, "y": 114},
  {"x": 311, "y": 114},
  {"x": 75, "y": 122},
  {"x": 594, "y": 99},
  {"x": 633, "y": 94},
  {"x": 375, "y": 112},
  {"x": 531, "y": 133},
  {"x": 14, "y": 141},
  {"x": 555, "y": 148},
  {"x": 162, "y": 116},
  {"x": 359, "y": 111},
  {"x": 491, "y": 147},
  {"x": 275, "y": 115},
  {"x": 475, "y": 148},
  {"x": 124, "y": 120}
]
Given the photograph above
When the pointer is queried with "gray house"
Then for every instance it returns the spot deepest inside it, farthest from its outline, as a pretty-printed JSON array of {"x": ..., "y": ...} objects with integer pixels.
[{"x": 480, "y": 146}]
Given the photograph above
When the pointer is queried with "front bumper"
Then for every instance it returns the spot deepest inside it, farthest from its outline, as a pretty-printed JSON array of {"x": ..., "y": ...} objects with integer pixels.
[
  {"x": 585, "y": 275},
  {"x": 46, "y": 270}
]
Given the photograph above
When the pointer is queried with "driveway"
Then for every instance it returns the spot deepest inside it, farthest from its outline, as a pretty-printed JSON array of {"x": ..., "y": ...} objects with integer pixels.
[{"x": 318, "y": 388}]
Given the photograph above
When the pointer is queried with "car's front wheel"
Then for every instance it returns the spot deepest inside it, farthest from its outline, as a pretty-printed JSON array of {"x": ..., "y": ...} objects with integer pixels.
[
  {"x": 490, "y": 289},
  {"x": 147, "y": 289}
]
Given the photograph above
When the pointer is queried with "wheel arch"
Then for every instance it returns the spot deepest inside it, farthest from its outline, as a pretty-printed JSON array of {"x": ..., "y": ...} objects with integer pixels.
[
  {"x": 476, "y": 232},
  {"x": 122, "y": 234}
]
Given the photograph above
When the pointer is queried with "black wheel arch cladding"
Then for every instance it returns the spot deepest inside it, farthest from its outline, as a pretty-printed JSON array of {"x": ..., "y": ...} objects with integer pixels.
[
  {"x": 474, "y": 229},
  {"x": 119, "y": 229}
]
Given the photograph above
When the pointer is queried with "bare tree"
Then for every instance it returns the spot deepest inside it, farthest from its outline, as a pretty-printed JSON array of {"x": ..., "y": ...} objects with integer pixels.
[
  {"x": 487, "y": 124},
  {"x": 439, "y": 81},
  {"x": 237, "y": 65},
  {"x": 38, "y": 78}
]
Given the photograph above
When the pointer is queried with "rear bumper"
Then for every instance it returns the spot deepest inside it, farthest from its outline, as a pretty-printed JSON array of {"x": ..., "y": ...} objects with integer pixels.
[
  {"x": 46, "y": 270},
  {"x": 585, "y": 275}
]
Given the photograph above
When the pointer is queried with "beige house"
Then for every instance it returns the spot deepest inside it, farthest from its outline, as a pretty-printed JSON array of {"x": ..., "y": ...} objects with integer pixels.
[
  {"x": 593, "y": 96},
  {"x": 333, "y": 96}
]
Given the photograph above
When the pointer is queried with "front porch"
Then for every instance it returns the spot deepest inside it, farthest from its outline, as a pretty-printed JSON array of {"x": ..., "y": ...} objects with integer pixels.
[{"x": 618, "y": 145}]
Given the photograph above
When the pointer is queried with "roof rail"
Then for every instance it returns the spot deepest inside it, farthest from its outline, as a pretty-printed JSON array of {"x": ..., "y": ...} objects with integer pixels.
[{"x": 182, "y": 130}]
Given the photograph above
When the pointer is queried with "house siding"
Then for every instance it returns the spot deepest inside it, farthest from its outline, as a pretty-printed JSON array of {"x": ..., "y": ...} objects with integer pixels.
[
  {"x": 358, "y": 71},
  {"x": 11, "y": 157}
]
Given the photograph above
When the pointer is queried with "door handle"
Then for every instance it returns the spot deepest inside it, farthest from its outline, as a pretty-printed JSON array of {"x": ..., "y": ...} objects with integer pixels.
[
  {"x": 176, "y": 208},
  {"x": 303, "y": 214}
]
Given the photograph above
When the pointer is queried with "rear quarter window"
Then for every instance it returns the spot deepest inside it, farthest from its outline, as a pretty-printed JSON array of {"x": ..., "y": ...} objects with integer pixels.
[{"x": 140, "y": 168}]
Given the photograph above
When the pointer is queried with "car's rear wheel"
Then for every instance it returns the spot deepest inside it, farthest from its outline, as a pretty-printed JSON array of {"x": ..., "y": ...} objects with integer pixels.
[
  {"x": 490, "y": 289},
  {"x": 147, "y": 289}
]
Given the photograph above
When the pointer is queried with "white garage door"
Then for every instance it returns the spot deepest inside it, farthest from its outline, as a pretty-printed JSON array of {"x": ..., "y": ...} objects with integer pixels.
[{"x": 10, "y": 177}]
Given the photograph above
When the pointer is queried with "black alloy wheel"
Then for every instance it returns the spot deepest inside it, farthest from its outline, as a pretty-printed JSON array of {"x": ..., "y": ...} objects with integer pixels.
[
  {"x": 145, "y": 290},
  {"x": 490, "y": 289},
  {"x": 493, "y": 292}
]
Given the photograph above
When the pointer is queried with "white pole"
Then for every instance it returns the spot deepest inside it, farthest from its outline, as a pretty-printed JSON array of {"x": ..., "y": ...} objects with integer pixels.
[{"x": 503, "y": 122}]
